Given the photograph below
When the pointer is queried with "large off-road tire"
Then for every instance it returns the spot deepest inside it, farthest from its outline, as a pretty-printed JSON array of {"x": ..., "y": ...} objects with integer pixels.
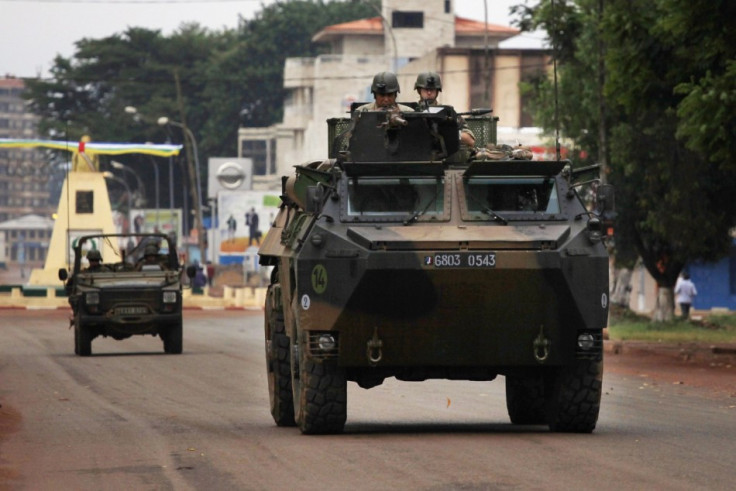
[
  {"x": 278, "y": 365},
  {"x": 173, "y": 339},
  {"x": 320, "y": 394},
  {"x": 525, "y": 400},
  {"x": 574, "y": 398},
  {"x": 82, "y": 339}
]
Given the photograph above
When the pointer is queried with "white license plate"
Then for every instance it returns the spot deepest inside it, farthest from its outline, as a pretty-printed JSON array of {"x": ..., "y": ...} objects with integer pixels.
[
  {"x": 131, "y": 310},
  {"x": 461, "y": 260}
]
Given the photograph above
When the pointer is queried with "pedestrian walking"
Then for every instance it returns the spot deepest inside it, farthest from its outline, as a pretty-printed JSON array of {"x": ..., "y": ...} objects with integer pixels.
[{"x": 685, "y": 292}]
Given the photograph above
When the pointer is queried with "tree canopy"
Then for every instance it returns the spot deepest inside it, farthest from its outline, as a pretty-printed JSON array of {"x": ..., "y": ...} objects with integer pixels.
[
  {"x": 213, "y": 81},
  {"x": 658, "y": 78}
]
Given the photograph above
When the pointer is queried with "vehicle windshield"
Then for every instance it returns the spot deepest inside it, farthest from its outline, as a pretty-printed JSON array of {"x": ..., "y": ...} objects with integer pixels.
[
  {"x": 517, "y": 194},
  {"x": 396, "y": 197},
  {"x": 124, "y": 250}
]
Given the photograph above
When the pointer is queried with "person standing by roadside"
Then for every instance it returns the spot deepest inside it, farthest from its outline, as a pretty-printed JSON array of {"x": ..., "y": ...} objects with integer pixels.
[{"x": 685, "y": 292}]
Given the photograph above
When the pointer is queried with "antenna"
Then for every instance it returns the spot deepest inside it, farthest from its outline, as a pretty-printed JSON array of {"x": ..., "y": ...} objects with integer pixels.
[
  {"x": 554, "y": 64},
  {"x": 68, "y": 194}
]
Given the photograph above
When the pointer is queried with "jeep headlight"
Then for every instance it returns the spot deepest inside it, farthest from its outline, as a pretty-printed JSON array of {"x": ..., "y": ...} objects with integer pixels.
[
  {"x": 92, "y": 298},
  {"x": 170, "y": 297}
]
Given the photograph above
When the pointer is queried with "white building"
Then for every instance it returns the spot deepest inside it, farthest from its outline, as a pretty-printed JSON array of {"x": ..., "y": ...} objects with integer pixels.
[{"x": 409, "y": 37}]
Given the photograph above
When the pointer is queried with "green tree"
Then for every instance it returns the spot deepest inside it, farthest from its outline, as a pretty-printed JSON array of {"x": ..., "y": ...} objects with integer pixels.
[
  {"x": 245, "y": 81},
  {"x": 220, "y": 75},
  {"x": 671, "y": 159}
]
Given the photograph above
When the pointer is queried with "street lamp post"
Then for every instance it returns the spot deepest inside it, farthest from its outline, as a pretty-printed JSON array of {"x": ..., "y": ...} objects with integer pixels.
[
  {"x": 137, "y": 117},
  {"x": 141, "y": 188},
  {"x": 113, "y": 177},
  {"x": 197, "y": 195}
]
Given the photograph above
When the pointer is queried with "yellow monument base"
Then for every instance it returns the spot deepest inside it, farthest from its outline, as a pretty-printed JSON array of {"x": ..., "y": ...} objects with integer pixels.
[{"x": 84, "y": 208}]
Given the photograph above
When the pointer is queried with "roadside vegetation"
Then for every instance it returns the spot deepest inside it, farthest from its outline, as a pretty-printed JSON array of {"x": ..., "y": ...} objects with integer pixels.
[{"x": 701, "y": 328}]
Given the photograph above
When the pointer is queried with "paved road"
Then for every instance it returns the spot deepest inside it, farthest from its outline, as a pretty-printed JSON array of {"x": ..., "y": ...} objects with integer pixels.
[{"x": 130, "y": 417}]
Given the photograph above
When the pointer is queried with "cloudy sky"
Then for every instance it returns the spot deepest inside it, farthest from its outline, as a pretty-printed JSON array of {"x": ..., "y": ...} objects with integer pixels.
[{"x": 33, "y": 32}]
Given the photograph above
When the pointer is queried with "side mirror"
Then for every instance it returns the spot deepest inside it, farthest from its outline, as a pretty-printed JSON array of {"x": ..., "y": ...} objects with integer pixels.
[
  {"x": 315, "y": 198},
  {"x": 63, "y": 274},
  {"x": 191, "y": 272},
  {"x": 605, "y": 199}
]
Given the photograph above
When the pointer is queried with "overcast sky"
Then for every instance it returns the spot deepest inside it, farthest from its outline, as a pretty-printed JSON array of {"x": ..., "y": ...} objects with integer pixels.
[{"x": 33, "y": 32}]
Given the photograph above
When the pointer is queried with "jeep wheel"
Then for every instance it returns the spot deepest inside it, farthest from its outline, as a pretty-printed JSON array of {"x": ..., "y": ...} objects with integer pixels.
[
  {"x": 320, "y": 393},
  {"x": 575, "y": 397},
  {"x": 278, "y": 366},
  {"x": 525, "y": 400},
  {"x": 173, "y": 339},
  {"x": 82, "y": 339}
]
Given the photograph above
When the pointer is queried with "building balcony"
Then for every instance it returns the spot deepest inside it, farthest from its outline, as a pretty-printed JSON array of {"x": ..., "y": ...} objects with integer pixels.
[{"x": 298, "y": 72}]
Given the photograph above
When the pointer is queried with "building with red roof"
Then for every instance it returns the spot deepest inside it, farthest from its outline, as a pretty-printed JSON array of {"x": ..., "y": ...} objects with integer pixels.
[{"x": 408, "y": 37}]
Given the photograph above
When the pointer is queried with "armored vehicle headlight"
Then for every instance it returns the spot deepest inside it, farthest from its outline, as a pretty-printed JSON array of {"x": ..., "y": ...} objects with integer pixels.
[
  {"x": 595, "y": 230},
  {"x": 92, "y": 298},
  {"x": 326, "y": 342},
  {"x": 586, "y": 341},
  {"x": 170, "y": 297}
]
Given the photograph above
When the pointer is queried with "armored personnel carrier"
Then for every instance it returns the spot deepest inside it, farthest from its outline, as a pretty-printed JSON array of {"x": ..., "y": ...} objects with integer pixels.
[{"x": 396, "y": 258}]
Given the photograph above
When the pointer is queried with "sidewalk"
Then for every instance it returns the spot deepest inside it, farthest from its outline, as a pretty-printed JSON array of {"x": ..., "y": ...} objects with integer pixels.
[{"x": 14, "y": 283}]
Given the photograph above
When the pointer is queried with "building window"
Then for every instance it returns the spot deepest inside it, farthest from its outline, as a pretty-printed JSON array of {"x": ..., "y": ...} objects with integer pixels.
[
  {"x": 533, "y": 71},
  {"x": 414, "y": 20},
  {"x": 448, "y": 6},
  {"x": 263, "y": 154},
  {"x": 478, "y": 82}
]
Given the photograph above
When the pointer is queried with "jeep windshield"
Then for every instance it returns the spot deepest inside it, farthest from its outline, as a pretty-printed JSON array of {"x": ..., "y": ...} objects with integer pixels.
[
  {"x": 513, "y": 198},
  {"x": 395, "y": 199}
]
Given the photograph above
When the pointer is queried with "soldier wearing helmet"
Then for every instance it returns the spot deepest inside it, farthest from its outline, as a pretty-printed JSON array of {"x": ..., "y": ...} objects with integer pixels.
[
  {"x": 429, "y": 86},
  {"x": 151, "y": 257},
  {"x": 95, "y": 262},
  {"x": 384, "y": 88}
]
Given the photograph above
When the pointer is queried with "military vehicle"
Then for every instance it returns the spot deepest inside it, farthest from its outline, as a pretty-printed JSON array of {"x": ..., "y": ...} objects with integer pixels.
[
  {"x": 395, "y": 258},
  {"x": 127, "y": 294}
]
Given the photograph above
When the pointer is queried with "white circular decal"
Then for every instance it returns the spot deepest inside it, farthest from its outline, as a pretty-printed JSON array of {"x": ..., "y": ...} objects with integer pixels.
[
  {"x": 306, "y": 302},
  {"x": 604, "y": 300}
]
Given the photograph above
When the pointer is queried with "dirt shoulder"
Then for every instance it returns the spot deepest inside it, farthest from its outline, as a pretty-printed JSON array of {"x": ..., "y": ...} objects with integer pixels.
[{"x": 711, "y": 367}]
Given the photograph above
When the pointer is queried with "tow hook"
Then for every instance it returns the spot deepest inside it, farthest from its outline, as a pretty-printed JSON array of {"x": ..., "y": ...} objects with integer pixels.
[
  {"x": 374, "y": 348},
  {"x": 541, "y": 346}
]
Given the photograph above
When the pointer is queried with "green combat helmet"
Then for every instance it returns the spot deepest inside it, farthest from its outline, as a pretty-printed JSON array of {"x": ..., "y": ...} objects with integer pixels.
[
  {"x": 428, "y": 80},
  {"x": 385, "y": 83},
  {"x": 151, "y": 250},
  {"x": 94, "y": 255}
]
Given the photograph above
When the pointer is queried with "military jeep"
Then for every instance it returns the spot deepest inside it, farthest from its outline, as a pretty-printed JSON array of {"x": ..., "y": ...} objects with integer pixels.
[
  {"x": 395, "y": 258},
  {"x": 126, "y": 294}
]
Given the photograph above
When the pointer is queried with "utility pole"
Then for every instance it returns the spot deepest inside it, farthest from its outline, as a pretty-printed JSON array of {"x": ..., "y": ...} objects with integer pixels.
[{"x": 193, "y": 177}]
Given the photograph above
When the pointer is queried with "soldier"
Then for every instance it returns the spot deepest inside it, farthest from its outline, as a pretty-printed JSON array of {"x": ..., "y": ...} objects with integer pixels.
[
  {"x": 384, "y": 88},
  {"x": 151, "y": 258},
  {"x": 95, "y": 262},
  {"x": 429, "y": 86}
]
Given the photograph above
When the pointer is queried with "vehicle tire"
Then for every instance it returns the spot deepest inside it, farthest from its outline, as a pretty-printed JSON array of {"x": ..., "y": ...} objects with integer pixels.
[
  {"x": 82, "y": 339},
  {"x": 574, "y": 399},
  {"x": 278, "y": 365},
  {"x": 525, "y": 400},
  {"x": 320, "y": 394},
  {"x": 173, "y": 339}
]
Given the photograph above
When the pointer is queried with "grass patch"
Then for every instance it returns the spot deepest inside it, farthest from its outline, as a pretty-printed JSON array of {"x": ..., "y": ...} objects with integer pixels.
[{"x": 626, "y": 325}]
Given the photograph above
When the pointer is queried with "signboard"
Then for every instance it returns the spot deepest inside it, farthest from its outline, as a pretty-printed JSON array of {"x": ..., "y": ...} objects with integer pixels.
[
  {"x": 229, "y": 174},
  {"x": 244, "y": 217},
  {"x": 151, "y": 220}
]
